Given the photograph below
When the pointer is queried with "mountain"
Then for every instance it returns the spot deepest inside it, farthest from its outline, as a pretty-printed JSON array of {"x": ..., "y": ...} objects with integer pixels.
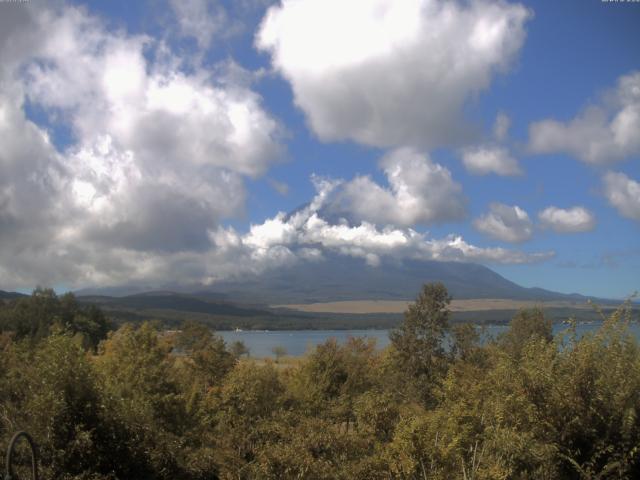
[
  {"x": 10, "y": 295},
  {"x": 345, "y": 278},
  {"x": 244, "y": 303},
  {"x": 337, "y": 278},
  {"x": 161, "y": 300}
]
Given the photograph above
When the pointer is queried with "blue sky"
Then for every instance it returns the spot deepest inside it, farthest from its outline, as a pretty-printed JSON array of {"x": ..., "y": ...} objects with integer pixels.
[{"x": 148, "y": 199}]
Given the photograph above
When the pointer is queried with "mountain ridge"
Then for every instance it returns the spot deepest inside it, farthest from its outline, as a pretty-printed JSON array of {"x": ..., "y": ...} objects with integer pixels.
[
  {"x": 339, "y": 278},
  {"x": 5, "y": 295}
]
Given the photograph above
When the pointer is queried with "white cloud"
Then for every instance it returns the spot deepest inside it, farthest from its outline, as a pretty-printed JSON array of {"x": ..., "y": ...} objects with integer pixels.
[
  {"x": 274, "y": 231},
  {"x": 284, "y": 239},
  {"x": 492, "y": 156},
  {"x": 623, "y": 193},
  {"x": 104, "y": 86},
  {"x": 570, "y": 220},
  {"x": 156, "y": 156},
  {"x": 200, "y": 19},
  {"x": 32, "y": 174},
  {"x": 420, "y": 192},
  {"x": 490, "y": 159},
  {"x": 210, "y": 21},
  {"x": 389, "y": 73},
  {"x": 601, "y": 134},
  {"x": 506, "y": 223}
]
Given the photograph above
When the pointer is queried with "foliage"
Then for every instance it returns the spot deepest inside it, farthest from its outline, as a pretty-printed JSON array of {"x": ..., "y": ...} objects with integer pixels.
[
  {"x": 526, "y": 325},
  {"x": 418, "y": 342},
  {"x": 238, "y": 349},
  {"x": 36, "y": 316},
  {"x": 436, "y": 404}
]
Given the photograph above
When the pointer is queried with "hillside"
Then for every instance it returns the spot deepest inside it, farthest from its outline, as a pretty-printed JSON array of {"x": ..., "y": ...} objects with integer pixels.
[
  {"x": 10, "y": 295},
  {"x": 247, "y": 303},
  {"x": 340, "y": 278}
]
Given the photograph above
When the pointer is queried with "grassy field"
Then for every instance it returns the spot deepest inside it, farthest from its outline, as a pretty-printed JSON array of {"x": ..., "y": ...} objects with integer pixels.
[
  {"x": 347, "y": 315},
  {"x": 399, "y": 306}
]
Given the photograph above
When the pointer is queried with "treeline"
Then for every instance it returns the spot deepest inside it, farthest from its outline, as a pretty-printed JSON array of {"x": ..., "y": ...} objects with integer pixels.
[
  {"x": 525, "y": 406},
  {"x": 43, "y": 313},
  {"x": 278, "y": 320}
]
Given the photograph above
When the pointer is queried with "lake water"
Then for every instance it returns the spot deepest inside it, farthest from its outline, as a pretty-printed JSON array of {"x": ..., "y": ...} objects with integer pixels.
[{"x": 298, "y": 342}]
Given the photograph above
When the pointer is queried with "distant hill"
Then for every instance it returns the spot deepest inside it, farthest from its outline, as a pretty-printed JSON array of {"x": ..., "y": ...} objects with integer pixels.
[
  {"x": 10, "y": 295},
  {"x": 244, "y": 303},
  {"x": 154, "y": 301},
  {"x": 345, "y": 278},
  {"x": 338, "y": 278}
]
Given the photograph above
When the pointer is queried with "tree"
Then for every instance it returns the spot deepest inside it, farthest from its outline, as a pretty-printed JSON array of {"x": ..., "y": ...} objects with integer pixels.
[
  {"x": 35, "y": 317},
  {"x": 209, "y": 358},
  {"x": 87, "y": 322},
  {"x": 243, "y": 409},
  {"x": 465, "y": 341},
  {"x": 279, "y": 351},
  {"x": 192, "y": 336},
  {"x": 526, "y": 325},
  {"x": 238, "y": 349},
  {"x": 418, "y": 342},
  {"x": 333, "y": 376},
  {"x": 51, "y": 391},
  {"x": 137, "y": 375}
]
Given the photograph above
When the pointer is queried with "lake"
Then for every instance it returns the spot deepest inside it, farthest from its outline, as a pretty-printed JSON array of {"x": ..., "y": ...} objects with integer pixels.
[{"x": 297, "y": 342}]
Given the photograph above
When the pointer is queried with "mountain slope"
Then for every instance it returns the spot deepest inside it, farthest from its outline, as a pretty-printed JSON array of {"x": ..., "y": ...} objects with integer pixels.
[
  {"x": 345, "y": 278},
  {"x": 244, "y": 303},
  {"x": 10, "y": 295},
  {"x": 173, "y": 301}
]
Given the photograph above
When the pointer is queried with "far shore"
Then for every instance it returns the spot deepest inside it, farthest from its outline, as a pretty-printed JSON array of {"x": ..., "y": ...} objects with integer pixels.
[{"x": 399, "y": 306}]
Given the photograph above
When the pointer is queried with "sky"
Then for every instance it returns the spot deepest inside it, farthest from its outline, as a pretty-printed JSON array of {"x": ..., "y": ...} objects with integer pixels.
[{"x": 158, "y": 143}]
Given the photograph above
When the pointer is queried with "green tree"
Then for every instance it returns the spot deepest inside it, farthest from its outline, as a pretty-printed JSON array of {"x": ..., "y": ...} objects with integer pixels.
[
  {"x": 465, "y": 341},
  {"x": 418, "y": 343},
  {"x": 138, "y": 378},
  {"x": 244, "y": 410},
  {"x": 333, "y": 376},
  {"x": 377, "y": 413},
  {"x": 36, "y": 316},
  {"x": 238, "y": 349},
  {"x": 207, "y": 353},
  {"x": 51, "y": 391},
  {"x": 526, "y": 325}
]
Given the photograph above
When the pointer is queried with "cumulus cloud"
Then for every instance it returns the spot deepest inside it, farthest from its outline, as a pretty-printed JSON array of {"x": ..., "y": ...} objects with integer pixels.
[
  {"x": 103, "y": 85},
  {"x": 156, "y": 156},
  {"x": 32, "y": 173},
  {"x": 492, "y": 156},
  {"x": 623, "y": 193},
  {"x": 210, "y": 21},
  {"x": 602, "y": 133},
  {"x": 306, "y": 234},
  {"x": 200, "y": 19},
  {"x": 506, "y": 223},
  {"x": 419, "y": 192},
  {"x": 390, "y": 73},
  {"x": 490, "y": 159},
  {"x": 569, "y": 220}
]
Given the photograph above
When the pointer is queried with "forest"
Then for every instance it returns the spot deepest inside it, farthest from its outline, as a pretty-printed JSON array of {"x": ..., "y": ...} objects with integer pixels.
[{"x": 141, "y": 402}]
